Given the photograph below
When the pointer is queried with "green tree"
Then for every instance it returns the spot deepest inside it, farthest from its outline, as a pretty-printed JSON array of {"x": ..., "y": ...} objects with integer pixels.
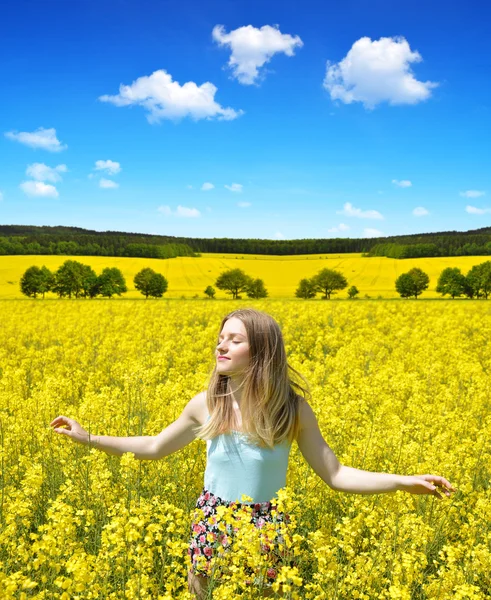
[
  {"x": 69, "y": 279},
  {"x": 111, "y": 282},
  {"x": 479, "y": 279},
  {"x": 405, "y": 285},
  {"x": 306, "y": 289},
  {"x": 451, "y": 282},
  {"x": 36, "y": 281},
  {"x": 234, "y": 282},
  {"x": 353, "y": 291},
  {"x": 158, "y": 285},
  {"x": 142, "y": 281},
  {"x": 256, "y": 289},
  {"x": 90, "y": 282},
  {"x": 210, "y": 291},
  {"x": 328, "y": 281},
  {"x": 421, "y": 281}
]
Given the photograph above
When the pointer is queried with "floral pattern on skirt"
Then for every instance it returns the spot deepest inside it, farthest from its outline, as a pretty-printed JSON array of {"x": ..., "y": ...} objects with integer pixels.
[{"x": 206, "y": 535}]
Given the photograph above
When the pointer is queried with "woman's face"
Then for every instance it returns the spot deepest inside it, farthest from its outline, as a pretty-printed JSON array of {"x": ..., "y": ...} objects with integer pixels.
[{"x": 232, "y": 352}]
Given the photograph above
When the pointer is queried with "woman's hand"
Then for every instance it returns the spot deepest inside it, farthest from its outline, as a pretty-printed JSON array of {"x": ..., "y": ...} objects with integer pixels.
[
  {"x": 426, "y": 484},
  {"x": 73, "y": 429}
]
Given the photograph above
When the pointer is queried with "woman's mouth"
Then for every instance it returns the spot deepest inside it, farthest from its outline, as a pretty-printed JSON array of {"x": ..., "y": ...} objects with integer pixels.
[{"x": 223, "y": 358}]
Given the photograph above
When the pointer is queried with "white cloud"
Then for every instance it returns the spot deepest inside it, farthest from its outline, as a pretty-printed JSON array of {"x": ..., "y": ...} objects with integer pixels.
[
  {"x": 41, "y": 138},
  {"x": 472, "y": 194},
  {"x": 207, "y": 186},
  {"x": 340, "y": 227},
  {"x": 107, "y": 183},
  {"x": 404, "y": 183},
  {"x": 350, "y": 211},
  {"x": 189, "y": 187},
  {"x": 38, "y": 188},
  {"x": 279, "y": 236},
  {"x": 181, "y": 211},
  {"x": 166, "y": 99},
  {"x": 372, "y": 233},
  {"x": 235, "y": 187},
  {"x": 253, "y": 47},
  {"x": 243, "y": 204},
  {"x": 420, "y": 212},
  {"x": 111, "y": 167},
  {"x": 477, "y": 211},
  {"x": 42, "y": 172},
  {"x": 378, "y": 71}
]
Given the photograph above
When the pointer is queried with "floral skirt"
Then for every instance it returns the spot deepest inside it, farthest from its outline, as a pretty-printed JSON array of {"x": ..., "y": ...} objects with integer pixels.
[{"x": 207, "y": 537}]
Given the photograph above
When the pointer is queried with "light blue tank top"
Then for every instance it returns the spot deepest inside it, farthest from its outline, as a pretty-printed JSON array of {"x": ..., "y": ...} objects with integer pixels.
[{"x": 235, "y": 466}]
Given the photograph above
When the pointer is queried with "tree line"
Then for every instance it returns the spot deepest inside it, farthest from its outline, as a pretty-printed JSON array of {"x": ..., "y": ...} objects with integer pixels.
[
  {"x": 13, "y": 246},
  {"x": 19, "y": 239},
  {"x": 74, "y": 279},
  {"x": 391, "y": 250}
]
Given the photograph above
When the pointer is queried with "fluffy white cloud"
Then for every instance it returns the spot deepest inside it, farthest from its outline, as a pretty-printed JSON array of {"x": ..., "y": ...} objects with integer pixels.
[
  {"x": 41, "y": 138},
  {"x": 472, "y": 194},
  {"x": 404, "y": 183},
  {"x": 252, "y": 48},
  {"x": 166, "y": 99},
  {"x": 367, "y": 232},
  {"x": 42, "y": 172},
  {"x": 473, "y": 210},
  {"x": 350, "y": 211},
  {"x": 235, "y": 187},
  {"x": 243, "y": 204},
  {"x": 378, "y": 71},
  {"x": 110, "y": 166},
  {"x": 340, "y": 227},
  {"x": 279, "y": 236},
  {"x": 420, "y": 212},
  {"x": 207, "y": 186},
  {"x": 107, "y": 183},
  {"x": 181, "y": 211},
  {"x": 38, "y": 188}
]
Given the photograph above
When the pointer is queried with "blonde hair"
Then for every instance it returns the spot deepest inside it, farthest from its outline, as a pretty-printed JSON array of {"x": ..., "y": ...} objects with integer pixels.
[{"x": 271, "y": 395}]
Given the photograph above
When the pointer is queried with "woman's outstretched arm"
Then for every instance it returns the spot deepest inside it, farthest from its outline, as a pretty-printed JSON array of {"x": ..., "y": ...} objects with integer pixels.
[
  {"x": 347, "y": 479},
  {"x": 178, "y": 434}
]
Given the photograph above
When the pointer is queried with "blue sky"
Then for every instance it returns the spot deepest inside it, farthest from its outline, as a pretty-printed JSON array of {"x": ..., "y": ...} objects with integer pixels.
[{"x": 310, "y": 119}]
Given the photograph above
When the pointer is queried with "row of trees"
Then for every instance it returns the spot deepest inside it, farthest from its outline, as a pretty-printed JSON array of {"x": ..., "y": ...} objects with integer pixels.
[
  {"x": 29, "y": 239},
  {"x": 452, "y": 282},
  {"x": 74, "y": 279}
]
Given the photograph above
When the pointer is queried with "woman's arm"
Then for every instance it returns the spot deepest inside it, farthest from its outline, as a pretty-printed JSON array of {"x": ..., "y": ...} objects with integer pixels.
[
  {"x": 174, "y": 437},
  {"x": 347, "y": 479}
]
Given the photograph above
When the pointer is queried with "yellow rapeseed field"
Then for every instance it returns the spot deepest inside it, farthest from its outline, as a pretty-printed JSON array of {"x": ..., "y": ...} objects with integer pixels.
[
  {"x": 398, "y": 387},
  {"x": 281, "y": 274}
]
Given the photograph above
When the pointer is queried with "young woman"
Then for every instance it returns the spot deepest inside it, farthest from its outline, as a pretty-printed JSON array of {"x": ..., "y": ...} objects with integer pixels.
[{"x": 250, "y": 414}]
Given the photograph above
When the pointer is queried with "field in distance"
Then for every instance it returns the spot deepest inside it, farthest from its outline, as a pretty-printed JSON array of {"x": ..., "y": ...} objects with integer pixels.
[{"x": 281, "y": 274}]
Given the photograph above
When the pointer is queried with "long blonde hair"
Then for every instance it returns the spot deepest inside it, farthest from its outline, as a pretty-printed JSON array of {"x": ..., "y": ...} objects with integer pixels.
[{"x": 271, "y": 390}]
